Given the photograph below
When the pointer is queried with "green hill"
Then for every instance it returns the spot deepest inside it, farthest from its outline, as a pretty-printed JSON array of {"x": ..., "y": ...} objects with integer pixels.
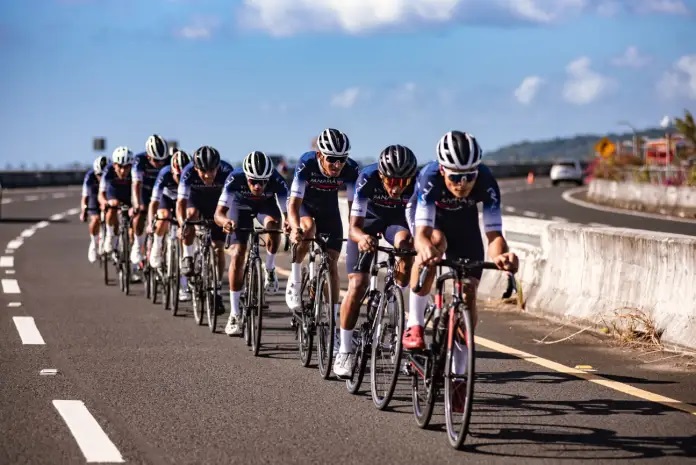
[{"x": 579, "y": 147}]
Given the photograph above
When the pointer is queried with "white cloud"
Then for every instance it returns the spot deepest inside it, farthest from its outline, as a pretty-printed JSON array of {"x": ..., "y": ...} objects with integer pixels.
[
  {"x": 346, "y": 98},
  {"x": 405, "y": 93},
  {"x": 528, "y": 89},
  {"x": 631, "y": 58},
  {"x": 200, "y": 28},
  {"x": 680, "y": 80},
  {"x": 583, "y": 84},
  {"x": 289, "y": 17}
]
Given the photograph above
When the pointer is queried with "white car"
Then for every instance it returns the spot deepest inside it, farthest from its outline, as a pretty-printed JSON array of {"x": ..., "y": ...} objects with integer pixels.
[{"x": 566, "y": 171}]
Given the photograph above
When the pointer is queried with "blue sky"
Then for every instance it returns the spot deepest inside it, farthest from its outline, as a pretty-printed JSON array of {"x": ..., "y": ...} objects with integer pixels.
[{"x": 270, "y": 74}]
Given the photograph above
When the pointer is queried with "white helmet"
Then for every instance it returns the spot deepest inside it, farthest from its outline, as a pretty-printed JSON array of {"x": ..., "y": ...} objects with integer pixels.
[
  {"x": 99, "y": 164},
  {"x": 459, "y": 151},
  {"x": 156, "y": 147},
  {"x": 333, "y": 142},
  {"x": 122, "y": 156},
  {"x": 257, "y": 165}
]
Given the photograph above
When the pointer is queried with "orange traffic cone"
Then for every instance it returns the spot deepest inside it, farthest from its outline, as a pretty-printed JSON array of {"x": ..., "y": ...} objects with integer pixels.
[{"x": 530, "y": 178}]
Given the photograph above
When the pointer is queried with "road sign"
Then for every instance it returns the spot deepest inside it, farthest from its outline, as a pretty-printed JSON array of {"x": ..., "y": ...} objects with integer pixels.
[
  {"x": 605, "y": 147},
  {"x": 99, "y": 144}
]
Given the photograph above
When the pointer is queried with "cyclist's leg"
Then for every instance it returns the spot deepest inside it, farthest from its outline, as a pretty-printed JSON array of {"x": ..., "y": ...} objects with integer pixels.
[
  {"x": 115, "y": 196},
  {"x": 358, "y": 280},
  {"x": 235, "y": 273},
  {"x": 400, "y": 237},
  {"x": 413, "y": 336},
  {"x": 94, "y": 224},
  {"x": 269, "y": 216},
  {"x": 139, "y": 218},
  {"x": 187, "y": 247},
  {"x": 292, "y": 289},
  {"x": 161, "y": 228}
]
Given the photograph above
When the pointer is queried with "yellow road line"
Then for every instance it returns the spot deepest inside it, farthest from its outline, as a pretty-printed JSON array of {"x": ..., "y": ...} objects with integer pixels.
[{"x": 560, "y": 368}]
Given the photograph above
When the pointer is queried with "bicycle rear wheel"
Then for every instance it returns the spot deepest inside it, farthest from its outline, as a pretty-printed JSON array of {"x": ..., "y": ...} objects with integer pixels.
[
  {"x": 305, "y": 334},
  {"x": 459, "y": 387},
  {"x": 174, "y": 275},
  {"x": 323, "y": 307},
  {"x": 363, "y": 349},
  {"x": 256, "y": 306},
  {"x": 386, "y": 348}
]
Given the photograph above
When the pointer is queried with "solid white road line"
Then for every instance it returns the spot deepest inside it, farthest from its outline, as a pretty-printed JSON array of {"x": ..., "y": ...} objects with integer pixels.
[
  {"x": 57, "y": 217},
  {"x": 5, "y": 201},
  {"x": 6, "y": 261},
  {"x": 28, "y": 332},
  {"x": 73, "y": 211},
  {"x": 10, "y": 286},
  {"x": 31, "y": 198},
  {"x": 59, "y": 195},
  {"x": 89, "y": 435},
  {"x": 568, "y": 197}
]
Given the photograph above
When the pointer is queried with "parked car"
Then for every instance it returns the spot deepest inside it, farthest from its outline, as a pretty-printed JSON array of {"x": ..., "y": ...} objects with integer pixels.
[{"x": 566, "y": 171}]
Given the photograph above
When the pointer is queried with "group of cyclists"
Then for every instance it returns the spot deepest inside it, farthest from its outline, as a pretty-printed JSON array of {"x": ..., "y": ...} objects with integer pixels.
[{"x": 432, "y": 210}]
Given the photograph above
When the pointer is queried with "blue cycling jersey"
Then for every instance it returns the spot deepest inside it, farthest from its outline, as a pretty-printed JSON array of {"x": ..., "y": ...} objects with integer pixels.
[
  {"x": 200, "y": 195},
  {"x": 237, "y": 190},
  {"x": 90, "y": 185},
  {"x": 145, "y": 172},
  {"x": 165, "y": 185},
  {"x": 110, "y": 180},
  {"x": 434, "y": 200},
  {"x": 316, "y": 188},
  {"x": 372, "y": 200}
]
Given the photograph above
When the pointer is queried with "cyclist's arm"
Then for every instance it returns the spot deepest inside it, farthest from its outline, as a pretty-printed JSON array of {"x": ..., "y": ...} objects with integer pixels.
[
  {"x": 85, "y": 192},
  {"x": 152, "y": 212},
  {"x": 493, "y": 221},
  {"x": 350, "y": 194},
  {"x": 358, "y": 210},
  {"x": 281, "y": 193},
  {"x": 297, "y": 191},
  {"x": 137, "y": 193},
  {"x": 182, "y": 195},
  {"x": 221, "y": 215},
  {"x": 101, "y": 196},
  {"x": 424, "y": 222}
]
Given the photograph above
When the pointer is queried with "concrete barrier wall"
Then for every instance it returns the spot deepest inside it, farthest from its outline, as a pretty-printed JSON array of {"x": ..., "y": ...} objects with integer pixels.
[
  {"x": 680, "y": 201},
  {"x": 601, "y": 276}
]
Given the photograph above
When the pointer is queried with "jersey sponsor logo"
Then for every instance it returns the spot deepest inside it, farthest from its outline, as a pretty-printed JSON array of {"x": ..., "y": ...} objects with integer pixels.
[
  {"x": 453, "y": 203},
  {"x": 383, "y": 200}
]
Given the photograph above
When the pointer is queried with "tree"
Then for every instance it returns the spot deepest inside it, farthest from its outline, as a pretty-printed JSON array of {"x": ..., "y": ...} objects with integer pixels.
[{"x": 686, "y": 127}]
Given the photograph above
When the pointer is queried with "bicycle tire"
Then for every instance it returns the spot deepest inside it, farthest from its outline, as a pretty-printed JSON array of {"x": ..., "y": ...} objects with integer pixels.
[
  {"x": 306, "y": 337},
  {"x": 381, "y": 402},
  {"x": 246, "y": 302},
  {"x": 423, "y": 413},
  {"x": 457, "y": 435},
  {"x": 353, "y": 384},
  {"x": 174, "y": 277},
  {"x": 257, "y": 308},
  {"x": 105, "y": 260},
  {"x": 211, "y": 286},
  {"x": 126, "y": 260},
  {"x": 326, "y": 340}
]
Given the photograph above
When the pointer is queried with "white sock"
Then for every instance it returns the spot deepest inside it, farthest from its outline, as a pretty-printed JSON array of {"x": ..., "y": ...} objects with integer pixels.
[
  {"x": 93, "y": 239},
  {"x": 110, "y": 230},
  {"x": 459, "y": 356},
  {"x": 140, "y": 240},
  {"x": 296, "y": 275},
  {"x": 270, "y": 261},
  {"x": 346, "y": 341},
  {"x": 188, "y": 250},
  {"x": 416, "y": 309},
  {"x": 234, "y": 303},
  {"x": 157, "y": 240}
]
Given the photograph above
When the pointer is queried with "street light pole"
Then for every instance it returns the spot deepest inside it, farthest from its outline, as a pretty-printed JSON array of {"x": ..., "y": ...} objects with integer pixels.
[{"x": 635, "y": 136}]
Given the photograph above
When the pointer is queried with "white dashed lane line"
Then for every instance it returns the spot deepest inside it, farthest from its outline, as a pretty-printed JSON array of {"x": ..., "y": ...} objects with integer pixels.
[
  {"x": 28, "y": 332},
  {"x": 14, "y": 304},
  {"x": 6, "y": 261},
  {"x": 10, "y": 286},
  {"x": 14, "y": 244},
  {"x": 89, "y": 435}
]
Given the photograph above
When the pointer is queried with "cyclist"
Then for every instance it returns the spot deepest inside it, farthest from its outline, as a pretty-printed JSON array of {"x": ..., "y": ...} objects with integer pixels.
[
  {"x": 199, "y": 189},
  {"x": 90, "y": 203},
  {"x": 381, "y": 194},
  {"x": 254, "y": 191},
  {"x": 162, "y": 205},
  {"x": 313, "y": 205},
  {"x": 146, "y": 167},
  {"x": 115, "y": 190},
  {"x": 443, "y": 212}
]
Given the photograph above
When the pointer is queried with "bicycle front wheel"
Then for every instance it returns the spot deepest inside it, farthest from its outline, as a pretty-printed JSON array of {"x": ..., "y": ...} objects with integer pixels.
[
  {"x": 325, "y": 321},
  {"x": 210, "y": 285},
  {"x": 257, "y": 306},
  {"x": 459, "y": 380},
  {"x": 385, "y": 361}
]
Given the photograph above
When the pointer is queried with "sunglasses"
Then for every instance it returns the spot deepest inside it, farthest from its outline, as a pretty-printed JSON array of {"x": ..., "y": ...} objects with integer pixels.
[
  {"x": 332, "y": 159},
  {"x": 258, "y": 182},
  {"x": 458, "y": 177},
  {"x": 395, "y": 182}
]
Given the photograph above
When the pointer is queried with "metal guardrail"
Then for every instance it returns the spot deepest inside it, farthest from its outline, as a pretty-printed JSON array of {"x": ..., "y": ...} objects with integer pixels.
[{"x": 14, "y": 179}]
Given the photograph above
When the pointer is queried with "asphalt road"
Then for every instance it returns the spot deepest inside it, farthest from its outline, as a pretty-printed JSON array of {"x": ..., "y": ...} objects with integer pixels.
[
  {"x": 163, "y": 390},
  {"x": 542, "y": 200}
]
